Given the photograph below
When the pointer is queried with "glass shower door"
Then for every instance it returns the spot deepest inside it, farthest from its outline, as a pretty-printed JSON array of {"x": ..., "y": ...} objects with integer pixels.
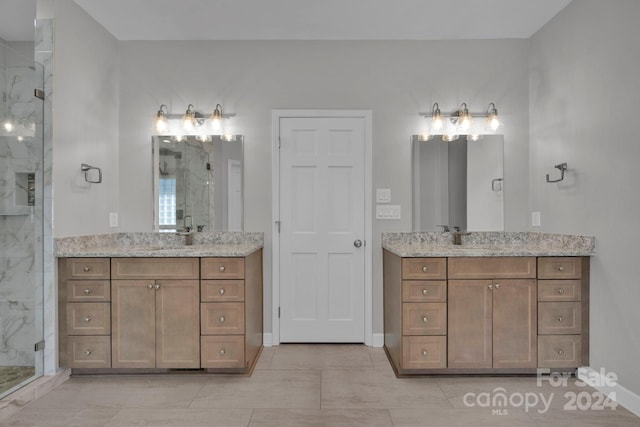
[{"x": 21, "y": 221}]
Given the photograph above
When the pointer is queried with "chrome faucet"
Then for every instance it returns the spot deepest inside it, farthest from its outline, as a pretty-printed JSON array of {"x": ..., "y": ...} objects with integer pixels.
[{"x": 457, "y": 236}]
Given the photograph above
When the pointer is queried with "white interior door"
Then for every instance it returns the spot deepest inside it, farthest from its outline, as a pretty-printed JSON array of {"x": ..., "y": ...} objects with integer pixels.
[{"x": 322, "y": 219}]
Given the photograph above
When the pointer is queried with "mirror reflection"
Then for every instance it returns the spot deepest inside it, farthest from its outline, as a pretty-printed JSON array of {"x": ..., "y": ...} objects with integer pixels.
[
  {"x": 198, "y": 183},
  {"x": 458, "y": 184}
]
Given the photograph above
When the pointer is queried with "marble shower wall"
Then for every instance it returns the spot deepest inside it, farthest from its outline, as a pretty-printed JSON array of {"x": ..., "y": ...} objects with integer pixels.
[{"x": 21, "y": 231}]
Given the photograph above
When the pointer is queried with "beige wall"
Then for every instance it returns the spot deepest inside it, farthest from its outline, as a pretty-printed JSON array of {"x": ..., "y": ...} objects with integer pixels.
[{"x": 584, "y": 98}]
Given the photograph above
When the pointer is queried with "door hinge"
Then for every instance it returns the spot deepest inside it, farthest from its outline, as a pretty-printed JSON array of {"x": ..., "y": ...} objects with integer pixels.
[
  {"x": 38, "y": 93},
  {"x": 278, "y": 225},
  {"x": 39, "y": 346},
  {"x": 278, "y": 312}
]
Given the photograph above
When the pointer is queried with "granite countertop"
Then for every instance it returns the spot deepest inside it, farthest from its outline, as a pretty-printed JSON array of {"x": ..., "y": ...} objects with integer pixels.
[
  {"x": 487, "y": 244},
  {"x": 212, "y": 244}
]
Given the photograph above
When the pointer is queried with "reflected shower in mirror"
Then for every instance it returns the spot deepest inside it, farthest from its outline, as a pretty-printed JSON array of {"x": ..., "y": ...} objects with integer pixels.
[
  {"x": 458, "y": 184},
  {"x": 198, "y": 183}
]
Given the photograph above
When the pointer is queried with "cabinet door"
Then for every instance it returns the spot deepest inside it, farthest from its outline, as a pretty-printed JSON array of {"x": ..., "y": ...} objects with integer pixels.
[
  {"x": 133, "y": 312},
  {"x": 177, "y": 324},
  {"x": 514, "y": 324},
  {"x": 469, "y": 328}
]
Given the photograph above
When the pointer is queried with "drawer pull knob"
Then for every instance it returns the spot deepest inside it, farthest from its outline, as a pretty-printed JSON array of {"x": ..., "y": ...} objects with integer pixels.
[
  {"x": 560, "y": 291},
  {"x": 222, "y": 319},
  {"x": 425, "y": 319},
  {"x": 559, "y": 351},
  {"x": 222, "y": 351},
  {"x": 222, "y": 268},
  {"x": 86, "y": 269},
  {"x": 561, "y": 268},
  {"x": 497, "y": 285},
  {"x": 425, "y": 268},
  {"x": 87, "y": 319},
  {"x": 560, "y": 319},
  {"x": 425, "y": 353},
  {"x": 425, "y": 291},
  {"x": 87, "y": 291},
  {"x": 88, "y": 352},
  {"x": 221, "y": 291}
]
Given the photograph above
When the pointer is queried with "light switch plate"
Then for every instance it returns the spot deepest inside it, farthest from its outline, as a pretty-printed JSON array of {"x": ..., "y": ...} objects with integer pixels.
[
  {"x": 113, "y": 219},
  {"x": 388, "y": 212},
  {"x": 535, "y": 219},
  {"x": 383, "y": 195}
]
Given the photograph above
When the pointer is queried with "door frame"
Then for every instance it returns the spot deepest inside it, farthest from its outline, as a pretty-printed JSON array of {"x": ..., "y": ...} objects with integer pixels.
[{"x": 276, "y": 115}]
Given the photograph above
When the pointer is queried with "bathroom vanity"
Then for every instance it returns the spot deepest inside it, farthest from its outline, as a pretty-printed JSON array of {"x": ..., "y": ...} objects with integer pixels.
[
  {"x": 500, "y": 303},
  {"x": 137, "y": 302}
]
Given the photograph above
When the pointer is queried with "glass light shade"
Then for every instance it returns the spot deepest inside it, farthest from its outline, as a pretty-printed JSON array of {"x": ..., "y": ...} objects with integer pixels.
[
  {"x": 437, "y": 122},
  {"x": 161, "y": 124},
  {"x": 493, "y": 122},
  {"x": 216, "y": 119}
]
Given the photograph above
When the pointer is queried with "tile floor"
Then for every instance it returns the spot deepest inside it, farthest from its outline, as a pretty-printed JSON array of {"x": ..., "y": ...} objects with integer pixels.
[{"x": 309, "y": 385}]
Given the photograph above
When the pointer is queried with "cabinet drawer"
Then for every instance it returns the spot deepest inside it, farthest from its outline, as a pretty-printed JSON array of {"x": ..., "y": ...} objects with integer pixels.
[
  {"x": 424, "y": 268},
  {"x": 222, "y": 318},
  {"x": 559, "y": 318},
  {"x": 90, "y": 318},
  {"x": 222, "y": 351},
  {"x": 559, "y": 351},
  {"x": 492, "y": 268},
  {"x": 155, "y": 268},
  {"x": 221, "y": 290},
  {"x": 222, "y": 268},
  {"x": 89, "y": 352},
  {"x": 424, "y": 291},
  {"x": 424, "y": 352},
  {"x": 88, "y": 290},
  {"x": 559, "y": 290},
  {"x": 424, "y": 318},
  {"x": 87, "y": 268},
  {"x": 559, "y": 268}
]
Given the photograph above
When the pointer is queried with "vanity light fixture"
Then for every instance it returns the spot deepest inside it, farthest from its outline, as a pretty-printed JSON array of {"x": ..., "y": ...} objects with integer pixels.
[
  {"x": 189, "y": 118},
  {"x": 161, "y": 124},
  {"x": 460, "y": 122}
]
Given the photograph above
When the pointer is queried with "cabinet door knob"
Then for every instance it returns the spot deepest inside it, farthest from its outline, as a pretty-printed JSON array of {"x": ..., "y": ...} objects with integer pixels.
[
  {"x": 222, "y": 319},
  {"x": 560, "y": 319},
  {"x": 559, "y": 351},
  {"x": 86, "y": 269},
  {"x": 425, "y": 291},
  {"x": 87, "y": 291},
  {"x": 425, "y": 319},
  {"x": 222, "y": 268},
  {"x": 221, "y": 291},
  {"x": 560, "y": 291},
  {"x": 88, "y": 352},
  {"x": 560, "y": 268},
  {"x": 497, "y": 285},
  {"x": 87, "y": 319},
  {"x": 425, "y": 353},
  {"x": 150, "y": 286},
  {"x": 157, "y": 286},
  {"x": 425, "y": 268},
  {"x": 222, "y": 351},
  {"x": 490, "y": 286}
]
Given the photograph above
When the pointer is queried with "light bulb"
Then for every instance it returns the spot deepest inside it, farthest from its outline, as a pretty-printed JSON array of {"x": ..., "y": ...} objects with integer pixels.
[
  {"x": 162, "y": 125},
  {"x": 8, "y": 126},
  {"x": 216, "y": 119},
  {"x": 493, "y": 122},
  {"x": 436, "y": 123}
]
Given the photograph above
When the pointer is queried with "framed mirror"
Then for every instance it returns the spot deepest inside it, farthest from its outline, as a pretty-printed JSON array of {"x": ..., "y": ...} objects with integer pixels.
[
  {"x": 198, "y": 183},
  {"x": 458, "y": 184}
]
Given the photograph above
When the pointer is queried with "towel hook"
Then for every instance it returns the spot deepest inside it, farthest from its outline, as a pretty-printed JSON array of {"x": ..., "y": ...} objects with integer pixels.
[
  {"x": 562, "y": 167},
  {"x": 86, "y": 168}
]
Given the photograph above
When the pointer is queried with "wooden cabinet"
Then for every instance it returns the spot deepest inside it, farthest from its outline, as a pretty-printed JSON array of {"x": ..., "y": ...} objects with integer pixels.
[
  {"x": 563, "y": 312},
  {"x": 492, "y": 323},
  {"x": 485, "y": 314},
  {"x": 84, "y": 307},
  {"x": 155, "y": 316},
  {"x": 231, "y": 312}
]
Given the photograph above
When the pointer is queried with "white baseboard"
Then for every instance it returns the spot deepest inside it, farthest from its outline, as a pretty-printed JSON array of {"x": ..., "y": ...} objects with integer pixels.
[
  {"x": 267, "y": 340},
  {"x": 623, "y": 396},
  {"x": 378, "y": 340}
]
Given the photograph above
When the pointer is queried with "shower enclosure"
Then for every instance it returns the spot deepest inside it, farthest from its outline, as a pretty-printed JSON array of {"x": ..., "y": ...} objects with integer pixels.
[{"x": 21, "y": 219}]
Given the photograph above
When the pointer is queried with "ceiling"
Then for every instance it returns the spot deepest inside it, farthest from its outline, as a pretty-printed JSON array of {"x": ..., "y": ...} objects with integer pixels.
[{"x": 300, "y": 19}]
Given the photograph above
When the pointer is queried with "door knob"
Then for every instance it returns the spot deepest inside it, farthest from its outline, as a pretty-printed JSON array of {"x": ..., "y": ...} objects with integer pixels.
[{"x": 357, "y": 243}]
